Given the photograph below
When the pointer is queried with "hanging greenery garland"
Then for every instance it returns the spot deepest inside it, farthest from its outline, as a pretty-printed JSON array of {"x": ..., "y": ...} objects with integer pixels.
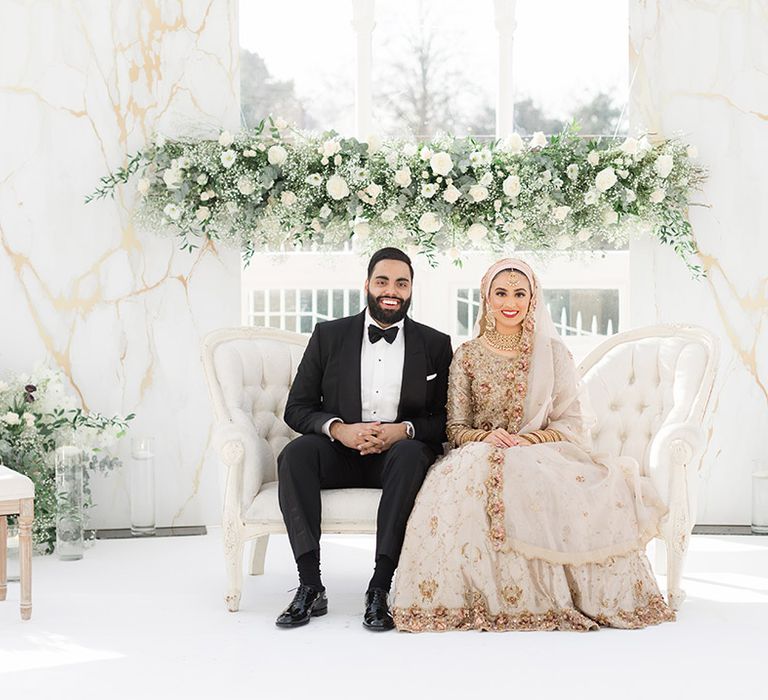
[{"x": 273, "y": 187}]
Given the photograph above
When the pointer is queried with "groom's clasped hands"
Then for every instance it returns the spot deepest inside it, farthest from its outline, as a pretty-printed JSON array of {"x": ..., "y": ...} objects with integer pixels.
[{"x": 368, "y": 438}]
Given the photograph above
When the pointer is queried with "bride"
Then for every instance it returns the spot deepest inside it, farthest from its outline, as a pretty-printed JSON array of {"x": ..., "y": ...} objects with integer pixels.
[{"x": 521, "y": 526}]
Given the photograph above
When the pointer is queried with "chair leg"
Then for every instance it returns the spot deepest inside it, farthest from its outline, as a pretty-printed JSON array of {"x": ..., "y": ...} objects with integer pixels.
[
  {"x": 233, "y": 560},
  {"x": 26, "y": 518},
  {"x": 258, "y": 555},
  {"x": 3, "y": 556}
]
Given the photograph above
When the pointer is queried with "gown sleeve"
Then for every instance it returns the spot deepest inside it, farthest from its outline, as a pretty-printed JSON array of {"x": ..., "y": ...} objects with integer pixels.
[{"x": 461, "y": 425}]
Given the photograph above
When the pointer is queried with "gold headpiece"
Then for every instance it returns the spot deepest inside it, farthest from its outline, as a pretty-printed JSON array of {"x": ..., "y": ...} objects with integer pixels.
[{"x": 515, "y": 279}]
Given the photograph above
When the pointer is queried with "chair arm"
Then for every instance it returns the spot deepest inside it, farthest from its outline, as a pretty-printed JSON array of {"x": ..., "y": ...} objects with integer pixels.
[
  {"x": 674, "y": 449},
  {"x": 240, "y": 451}
]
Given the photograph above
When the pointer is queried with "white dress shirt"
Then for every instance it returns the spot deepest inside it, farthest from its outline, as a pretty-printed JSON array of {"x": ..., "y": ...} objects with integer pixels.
[{"x": 381, "y": 376}]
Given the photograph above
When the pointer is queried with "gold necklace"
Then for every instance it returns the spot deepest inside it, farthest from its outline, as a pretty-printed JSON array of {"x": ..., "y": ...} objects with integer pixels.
[{"x": 503, "y": 342}]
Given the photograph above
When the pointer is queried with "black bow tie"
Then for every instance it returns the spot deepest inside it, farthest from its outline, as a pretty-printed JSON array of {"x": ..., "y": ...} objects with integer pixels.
[{"x": 375, "y": 334}]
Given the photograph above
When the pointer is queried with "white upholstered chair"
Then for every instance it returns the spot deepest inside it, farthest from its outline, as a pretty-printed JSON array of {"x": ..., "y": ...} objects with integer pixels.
[
  {"x": 17, "y": 497},
  {"x": 649, "y": 389}
]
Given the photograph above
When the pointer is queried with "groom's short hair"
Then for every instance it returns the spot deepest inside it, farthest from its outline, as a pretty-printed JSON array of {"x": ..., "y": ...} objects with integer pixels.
[{"x": 389, "y": 254}]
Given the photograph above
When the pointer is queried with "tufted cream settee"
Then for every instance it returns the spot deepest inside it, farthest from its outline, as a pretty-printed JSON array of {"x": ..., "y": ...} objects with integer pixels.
[{"x": 649, "y": 388}]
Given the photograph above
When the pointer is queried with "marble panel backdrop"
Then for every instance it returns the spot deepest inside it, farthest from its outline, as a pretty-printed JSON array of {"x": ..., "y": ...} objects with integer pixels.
[
  {"x": 121, "y": 313},
  {"x": 701, "y": 69}
]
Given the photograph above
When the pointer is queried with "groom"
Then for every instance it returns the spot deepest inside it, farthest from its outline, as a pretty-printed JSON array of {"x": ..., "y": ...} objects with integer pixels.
[{"x": 369, "y": 399}]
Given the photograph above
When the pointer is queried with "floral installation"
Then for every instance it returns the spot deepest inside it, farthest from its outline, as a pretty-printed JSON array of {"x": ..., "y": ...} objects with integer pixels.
[
  {"x": 273, "y": 187},
  {"x": 36, "y": 416}
]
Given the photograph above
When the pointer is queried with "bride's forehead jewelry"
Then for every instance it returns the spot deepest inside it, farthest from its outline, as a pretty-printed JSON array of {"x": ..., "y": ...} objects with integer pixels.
[{"x": 515, "y": 279}]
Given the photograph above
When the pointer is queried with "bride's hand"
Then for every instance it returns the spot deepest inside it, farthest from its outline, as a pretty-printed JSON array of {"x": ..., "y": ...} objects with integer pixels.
[{"x": 501, "y": 438}]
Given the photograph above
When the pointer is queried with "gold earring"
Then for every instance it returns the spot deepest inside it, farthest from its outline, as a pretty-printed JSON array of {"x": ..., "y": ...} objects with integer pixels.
[{"x": 490, "y": 322}]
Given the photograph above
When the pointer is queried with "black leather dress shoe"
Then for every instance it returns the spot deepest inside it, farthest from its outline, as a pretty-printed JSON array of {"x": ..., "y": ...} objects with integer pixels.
[
  {"x": 377, "y": 617},
  {"x": 308, "y": 602}
]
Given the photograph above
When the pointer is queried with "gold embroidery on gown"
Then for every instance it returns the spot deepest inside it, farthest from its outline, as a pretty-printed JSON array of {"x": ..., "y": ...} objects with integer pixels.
[{"x": 530, "y": 537}]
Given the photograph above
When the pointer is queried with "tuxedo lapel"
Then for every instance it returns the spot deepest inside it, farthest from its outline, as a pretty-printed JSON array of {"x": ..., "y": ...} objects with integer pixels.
[
  {"x": 350, "y": 405},
  {"x": 413, "y": 389}
]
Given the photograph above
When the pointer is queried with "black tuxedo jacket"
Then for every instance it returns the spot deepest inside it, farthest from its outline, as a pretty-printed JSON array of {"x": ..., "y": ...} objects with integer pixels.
[{"x": 327, "y": 383}]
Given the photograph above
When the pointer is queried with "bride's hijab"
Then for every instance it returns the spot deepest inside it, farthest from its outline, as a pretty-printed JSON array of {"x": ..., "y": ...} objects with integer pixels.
[{"x": 543, "y": 388}]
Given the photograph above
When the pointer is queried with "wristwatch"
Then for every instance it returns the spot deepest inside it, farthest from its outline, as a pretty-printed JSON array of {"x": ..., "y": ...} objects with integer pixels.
[{"x": 410, "y": 433}]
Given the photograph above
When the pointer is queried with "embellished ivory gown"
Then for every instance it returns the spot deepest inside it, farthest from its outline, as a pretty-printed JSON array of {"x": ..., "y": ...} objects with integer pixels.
[{"x": 538, "y": 537}]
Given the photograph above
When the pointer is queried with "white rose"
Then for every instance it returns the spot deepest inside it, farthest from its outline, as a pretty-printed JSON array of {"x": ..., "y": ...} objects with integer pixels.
[
  {"x": 337, "y": 187},
  {"x": 226, "y": 139},
  {"x": 203, "y": 213},
  {"x": 591, "y": 196},
  {"x": 605, "y": 179},
  {"x": 593, "y": 158},
  {"x": 572, "y": 171},
  {"x": 391, "y": 159},
  {"x": 538, "y": 140},
  {"x": 228, "y": 159},
  {"x": 374, "y": 143},
  {"x": 497, "y": 204},
  {"x": 232, "y": 208},
  {"x": 441, "y": 163},
  {"x": 630, "y": 147},
  {"x": 658, "y": 195},
  {"x": 563, "y": 242},
  {"x": 546, "y": 176},
  {"x": 451, "y": 194},
  {"x": 584, "y": 235},
  {"x": 610, "y": 217},
  {"x": 315, "y": 225},
  {"x": 630, "y": 195},
  {"x": 518, "y": 225},
  {"x": 330, "y": 148},
  {"x": 486, "y": 179},
  {"x": 511, "y": 186},
  {"x": 337, "y": 160},
  {"x": 425, "y": 153},
  {"x": 374, "y": 190},
  {"x": 245, "y": 185},
  {"x": 428, "y": 190},
  {"x": 202, "y": 179},
  {"x": 325, "y": 211},
  {"x": 184, "y": 163},
  {"x": 281, "y": 124},
  {"x": 208, "y": 194},
  {"x": 248, "y": 153},
  {"x": 11, "y": 418},
  {"x": 172, "y": 178},
  {"x": 172, "y": 211},
  {"x": 623, "y": 174},
  {"x": 324, "y": 160},
  {"x": 692, "y": 152},
  {"x": 362, "y": 230},
  {"x": 430, "y": 223},
  {"x": 476, "y": 233},
  {"x": 29, "y": 419},
  {"x": 512, "y": 144},
  {"x": 143, "y": 185},
  {"x": 663, "y": 165},
  {"x": 277, "y": 155},
  {"x": 477, "y": 193},
  {"x": 409, "y": 150},
  {"x": 403, "y": 177},
  {"x": 561, "y": 213},
  {"x": 315, "y": 179},
  {"x": 388, "y": 215},
  {"x": 288, "y": 198},
  {"x": 453, "y": 253}
]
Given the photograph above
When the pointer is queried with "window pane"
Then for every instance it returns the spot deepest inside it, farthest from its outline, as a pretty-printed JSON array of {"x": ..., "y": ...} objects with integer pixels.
[
  {"x": 434, "y": 67},
  {"x": 274, "y": 322},
  {"x": 306, "y": 300},
  {"x": 338, "y": 303},
  {"x": 274, "y": 300},
  {"x": 307, "y": 324},
  {"x": 571, "y": 62},
  {"x": 258, "y": 300},
  {"x": 462, "y": 317},
  {"x": 354, "y": 301},
  {"x": 297, "y": 61},
  {"x": 290, "y": 323},
  {"x": 290, "y": 300},
  {"x": 322, "y": 302}
]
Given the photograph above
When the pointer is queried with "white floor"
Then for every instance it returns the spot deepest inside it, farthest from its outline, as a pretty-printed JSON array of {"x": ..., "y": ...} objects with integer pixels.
[{"x": 145, "y": 619}]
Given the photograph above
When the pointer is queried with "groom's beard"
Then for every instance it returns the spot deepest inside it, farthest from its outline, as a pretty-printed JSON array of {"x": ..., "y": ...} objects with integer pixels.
[{"x": 384, "y": 315}]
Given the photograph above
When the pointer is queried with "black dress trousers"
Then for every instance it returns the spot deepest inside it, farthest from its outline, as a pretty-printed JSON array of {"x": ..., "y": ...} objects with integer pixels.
[{"x": 312, "y": 462}]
